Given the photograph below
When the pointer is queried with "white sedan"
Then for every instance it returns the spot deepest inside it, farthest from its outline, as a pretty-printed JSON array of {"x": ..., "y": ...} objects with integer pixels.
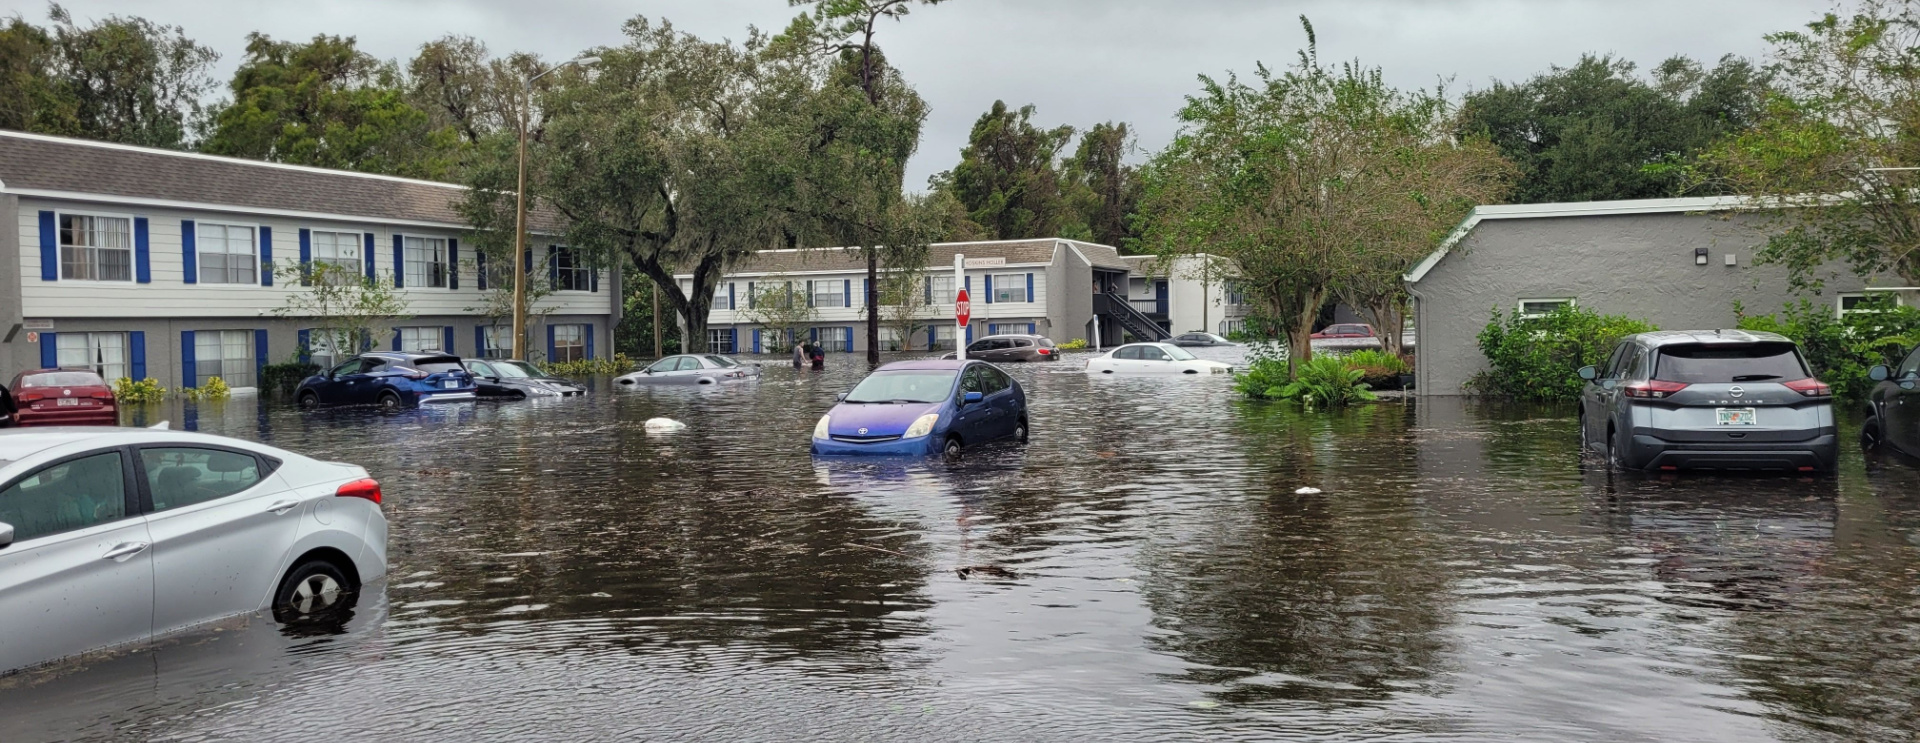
[
  {"x": 110, "y": 536},
  {"x": 1153, "y": 358}
]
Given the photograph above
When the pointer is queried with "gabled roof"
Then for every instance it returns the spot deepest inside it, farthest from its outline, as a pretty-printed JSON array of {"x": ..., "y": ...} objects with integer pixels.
[
  {"x": 58, "y": 167},
  {"x": 1571, "y": 209},
  {"x": 939, "y": 255}
]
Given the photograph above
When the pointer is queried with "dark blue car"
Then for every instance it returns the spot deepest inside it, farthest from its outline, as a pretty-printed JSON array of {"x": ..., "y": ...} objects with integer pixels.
[
  {"x": 924, "y": 407},
  {"x": 390, "y": 380}
]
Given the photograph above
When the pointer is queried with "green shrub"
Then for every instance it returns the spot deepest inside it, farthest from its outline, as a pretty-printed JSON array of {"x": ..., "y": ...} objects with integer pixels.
[
  {"x": 619, "y": 364},
  {"x": 1326, "y": 381},
  {"x": 1077, "y": 344},
  {"x": 215, "y": 389},
  {"x": 127, "y": 390},
  {"x": 1539, "y": 358},
  {"x": 284, "y": 378},
  {"x": 1266, "y": 372},
  {"x": 1842, "y": 349},
  {"x": 1378, "y": 368}
]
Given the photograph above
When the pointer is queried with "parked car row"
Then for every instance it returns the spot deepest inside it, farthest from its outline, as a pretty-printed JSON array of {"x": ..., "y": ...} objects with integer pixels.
[{"x": 397, "y": 380}]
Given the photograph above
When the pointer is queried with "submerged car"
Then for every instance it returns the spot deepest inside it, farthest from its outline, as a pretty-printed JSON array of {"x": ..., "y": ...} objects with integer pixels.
[
  {"x": 1893, "y": 407},
  {"x": 690, "y": 368},
  {"x": 391, "y": 380},
  {"x": 1153, "y": 358},
  {"x": 517, "y": 380},
  {"x": 110, "y": 536},
  {"x": 1708, "y": 399},
  {"x": 1201, "y": 340},
  {"x": 1344, "y": 330},
  {"x": 927, "y": 406},
  {"x": 1005, "y": 348},
  {"x": 63, "y": 397}
]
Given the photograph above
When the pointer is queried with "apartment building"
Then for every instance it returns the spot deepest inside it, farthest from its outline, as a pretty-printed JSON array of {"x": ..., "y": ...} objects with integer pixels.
[
  {"x": 1062, "y": 289},
  {"x": 1188, "y": 293},
  {"x": 142, "y": 262}
]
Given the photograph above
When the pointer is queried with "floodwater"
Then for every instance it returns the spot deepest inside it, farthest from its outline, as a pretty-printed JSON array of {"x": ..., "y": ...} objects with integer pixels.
[{"x": 1143, "y": 570}]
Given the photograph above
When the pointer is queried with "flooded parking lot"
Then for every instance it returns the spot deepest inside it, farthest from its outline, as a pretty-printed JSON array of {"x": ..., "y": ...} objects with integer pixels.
[{"x": 1143, "y": 570}]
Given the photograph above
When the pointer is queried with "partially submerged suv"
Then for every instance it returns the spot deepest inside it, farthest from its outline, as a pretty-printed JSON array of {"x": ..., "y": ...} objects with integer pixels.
[{"x": 1708, "y": 399}]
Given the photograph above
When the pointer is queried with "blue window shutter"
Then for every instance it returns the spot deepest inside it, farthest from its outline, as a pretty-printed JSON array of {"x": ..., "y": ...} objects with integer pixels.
[
  {"x": 589, "y": 341},
  {"x": 366, "y": 341},
  {"x": 188, "y": 376},
  {"x": 480, "y": 264},
  {"x": 189, "y": 253},
  {"x": 259, "y": 353},
  {"x": 396, "y": 339},
  {"x": 306, "y": 346},
  {"x": 551, "y": 347},
  {"x": 266, "y": 256},
  {"x": 1030, "y": 329},
  {"x": 479, "y": 341},
  {"x": 733, "y": 340},
  {"x": 446, "y": 339},
  {"x": 933, "y": 336},
  {"x": 1029, "y": 287},
  {"x": 306, "y": 255},
  {"x": 756, "y": 340},
  {"x": 968, "y": 284},
  {"x": 142, "y": 259},
  {"x": 453, "y": 276},
  {"x": 49, "y": 247},
  {"x": 986, "y": 284},
  {"x": 366, "y": 251},
  {"x": 846, "y": 290},
  {"x": 866, "y": 289},
  {"x": 969, "y": 332},
  {"x": 399, "y": 262},
  {"x": 137, "y": 354},
  {"x": 730, "y": 299},
  {"x": 849, "y": 339},
  {"x": 49, "y": 349},
  {"x": 529, "y": 257}
]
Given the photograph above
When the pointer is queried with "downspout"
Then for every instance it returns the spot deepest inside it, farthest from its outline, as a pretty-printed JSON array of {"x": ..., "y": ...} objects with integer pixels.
[{"x": 1419, "y": 329}]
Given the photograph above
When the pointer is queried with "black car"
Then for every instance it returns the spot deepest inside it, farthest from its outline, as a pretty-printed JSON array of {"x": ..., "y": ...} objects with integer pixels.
[
  {"x": 518, "y": 379},
  {"x": 1893, "y": 407}
]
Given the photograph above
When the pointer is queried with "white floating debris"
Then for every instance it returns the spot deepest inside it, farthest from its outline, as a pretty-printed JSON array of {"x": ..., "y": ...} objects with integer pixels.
[
  {"x": 161, "y": 426},
  {"x": 664, "y": 424},
  {"x": 1307, "y": 491}
]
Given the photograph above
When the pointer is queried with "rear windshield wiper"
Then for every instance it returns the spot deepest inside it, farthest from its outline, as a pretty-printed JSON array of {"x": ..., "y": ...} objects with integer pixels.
[{"x": 1754, "y": 377}]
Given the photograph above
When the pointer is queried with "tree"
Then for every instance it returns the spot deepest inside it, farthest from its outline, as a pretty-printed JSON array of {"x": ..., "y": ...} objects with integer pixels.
[
  {"x": 1833, "y": 158},
  {"x": 903, "y": 301},
  {"x": 1102, "y": 191},
  {"x": 1007, "y": 177},
  {"x": 348, "y": 309},
  {"x": 781, "y": 305},
  {"x": 326, "y": 103},
  {"x": 1597, "y": 131},
  {"x": 24, "y": 50},
  {"x": 122, "y": 79},
  {"x": 461, "y": 87},
  {"x": 496, "y": 303}
]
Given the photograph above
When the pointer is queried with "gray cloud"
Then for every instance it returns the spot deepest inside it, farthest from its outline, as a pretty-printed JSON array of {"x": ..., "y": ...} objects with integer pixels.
[{"x": 1080, "y": 61}]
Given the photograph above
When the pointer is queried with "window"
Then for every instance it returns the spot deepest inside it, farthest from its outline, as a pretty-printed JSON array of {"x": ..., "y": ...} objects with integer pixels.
[
  {"x": 341, "y": 250},
  {"x": 96, "y": 248},
  {"x": 829, "y": 293},
  {"x": 499, "y": 271},
  {"x": 1874, "y": 302},
  {"x": 670, "y": 363},
  {"x": 943, "y": 335},
  {"x": 320, "y": 350},
  {"x": 226, "y": 254},
  {"x": 1230, "y": 327},
  {"x": 775, "y": 340},
  {"x": 418, "y": 340},
  {"x": 833, "y": 339},
  {"x": 70, "y": 495},
  {"x": 720, "y": 340},
  {"x": 1757, "y": 362},
  {"x": 570, "y": 271},
  {"x": 1911, "y": 366},
  {"x": 1235, "y": 295},
  {"x": 227, "y": 354},
  {"x": 939, "y": 290},
  {"x": 722, "y": 298},
  {"x": 426, "y": 262},
  {"x": 1006, "y": 328},
  {"x": 184, "y": 477},
  {"x": 104, "y": 353},
  {"x": 569, "y": 343},
  {"x": 1541, "y": 307},
  {"x": 972, "y": 381},
  {"x": 993, "y": 379},
  {"x": 499, "y": 340},
  {"x": 1010, "y": 287}
]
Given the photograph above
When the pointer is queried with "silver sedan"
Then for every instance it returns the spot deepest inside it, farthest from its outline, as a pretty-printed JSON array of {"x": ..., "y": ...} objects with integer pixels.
[
  {"x": 111, "y": 536},
  {"x": 691, "y": 368}
]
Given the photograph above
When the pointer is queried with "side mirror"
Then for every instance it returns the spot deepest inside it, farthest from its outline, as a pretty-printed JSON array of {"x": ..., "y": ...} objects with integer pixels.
[
  {"x": 1589, "y": 373},
  {"x": 1879, "y": 373},
  {"x": 1609, "y": 384},
  {"x": 972, "y": 397},
  {"x": 842, "y": 397},
  {"x": 6, "y": 535},
  {"x": 1907, "y": 384}
]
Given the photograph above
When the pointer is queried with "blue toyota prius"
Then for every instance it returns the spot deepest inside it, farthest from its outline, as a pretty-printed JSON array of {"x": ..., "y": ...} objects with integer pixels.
[{"x": 926, "y": 406}]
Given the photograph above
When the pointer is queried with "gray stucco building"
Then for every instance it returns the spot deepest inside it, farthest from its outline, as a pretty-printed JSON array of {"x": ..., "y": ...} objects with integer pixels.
[{"x": 1677, "y": 263}]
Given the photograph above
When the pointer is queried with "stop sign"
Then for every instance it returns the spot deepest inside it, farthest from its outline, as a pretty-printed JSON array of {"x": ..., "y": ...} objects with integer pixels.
[{"x": 962, "y": 309}]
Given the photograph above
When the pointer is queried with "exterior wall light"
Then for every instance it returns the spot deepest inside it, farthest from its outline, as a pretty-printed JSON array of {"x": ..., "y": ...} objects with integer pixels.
[
  {"x": 1732, "y": 260},
  {"x": 1699, "y": 256}
]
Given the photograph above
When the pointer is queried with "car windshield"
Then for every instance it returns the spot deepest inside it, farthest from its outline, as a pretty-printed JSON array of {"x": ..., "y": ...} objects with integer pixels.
[
  {"x": 722, "y": 361},
  {"x": 1719, "y": 364},
  {"x": 1179, "y": 354},
  {"x": 513, "y": 369},
  {"x": 63, "y": 379},
  {"x": 918, "y": 385}
]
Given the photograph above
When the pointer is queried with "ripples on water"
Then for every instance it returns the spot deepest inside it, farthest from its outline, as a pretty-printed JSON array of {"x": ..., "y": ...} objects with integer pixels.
[{"x": 1142, "y": 571}]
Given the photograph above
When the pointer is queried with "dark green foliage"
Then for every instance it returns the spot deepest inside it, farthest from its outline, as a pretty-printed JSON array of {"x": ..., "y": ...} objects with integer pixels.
[
  {"x": 121, "y": 79},
  {"x": 1102, "y": 191},
  {"x": 1539, "y": 358},
  {"x": 1266, "y": 373},
  {"x": 283, "y": 378},
  {"x": 1379, "y": 369},
  {"x": 1597, "y": 131},
  {"x": 1007, "y": 176},
  {"x": 1842, "y": 349},
  {"x": 1321, "y": 382}
]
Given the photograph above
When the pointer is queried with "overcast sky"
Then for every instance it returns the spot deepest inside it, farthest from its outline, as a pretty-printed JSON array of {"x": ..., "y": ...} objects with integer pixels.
[{"x": 1080, "y": 61}]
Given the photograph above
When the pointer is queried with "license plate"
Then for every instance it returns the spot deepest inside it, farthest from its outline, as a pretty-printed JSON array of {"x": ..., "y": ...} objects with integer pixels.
[
  {"x": 449, "y": 384},
  {"x": 1735, "y": 416},
  {"x": 64, "y": 401}
]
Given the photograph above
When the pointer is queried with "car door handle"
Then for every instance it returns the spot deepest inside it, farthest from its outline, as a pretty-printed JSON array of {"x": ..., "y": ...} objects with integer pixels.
[
  {"x": 281, "y": 508},
  {"x": 124, "y": 550}
]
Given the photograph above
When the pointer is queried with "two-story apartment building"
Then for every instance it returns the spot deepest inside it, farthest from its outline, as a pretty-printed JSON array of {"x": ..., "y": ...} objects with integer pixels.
[
  {"x": 143, "y": 262},
  {"x": 1187, "y": 293},
  {"x": 1062, "y": 289}
]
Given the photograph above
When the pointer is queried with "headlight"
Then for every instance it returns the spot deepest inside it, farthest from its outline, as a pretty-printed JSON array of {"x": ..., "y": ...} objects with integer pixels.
[
  {"x": 544, "y": 390},
  {"x": 922, "y": 426},
  {"x": 820, "y": 429}
]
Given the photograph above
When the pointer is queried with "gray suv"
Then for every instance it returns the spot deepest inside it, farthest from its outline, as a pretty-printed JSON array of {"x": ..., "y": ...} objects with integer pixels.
[{"x": 1708, "y": 399}]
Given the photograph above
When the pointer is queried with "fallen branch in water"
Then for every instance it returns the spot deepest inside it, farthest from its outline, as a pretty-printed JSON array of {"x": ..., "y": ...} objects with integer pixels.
[{"x": 877, "y": 549}]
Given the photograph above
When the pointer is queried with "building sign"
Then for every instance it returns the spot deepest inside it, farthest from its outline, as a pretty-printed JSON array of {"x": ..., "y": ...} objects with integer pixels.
[
  {"x": 32, "y": 324},
  {"x": 986, "y": 262}
]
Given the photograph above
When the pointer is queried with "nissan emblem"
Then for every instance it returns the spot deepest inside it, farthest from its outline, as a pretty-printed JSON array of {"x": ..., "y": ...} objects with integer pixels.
[{"x": 1736, "y": 391}]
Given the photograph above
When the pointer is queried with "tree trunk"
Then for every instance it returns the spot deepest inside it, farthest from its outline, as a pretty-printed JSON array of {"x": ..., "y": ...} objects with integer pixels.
[
  {"x": 1388, "y": 316},
  {"x": 873, "y": 309},
  {"x": 1300, "y": 331}
]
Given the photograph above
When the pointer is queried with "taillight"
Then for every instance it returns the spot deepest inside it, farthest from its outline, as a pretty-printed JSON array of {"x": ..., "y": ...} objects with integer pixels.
[
  {"x": 368, "y": 488},
  {"x": 1045, "y": 351},
  {"x": 31, "y": 396},
  {"x": 415, "y": 374},
  {"x": 1809, "y": 387},
  {"x": 1654, "y": 389}
]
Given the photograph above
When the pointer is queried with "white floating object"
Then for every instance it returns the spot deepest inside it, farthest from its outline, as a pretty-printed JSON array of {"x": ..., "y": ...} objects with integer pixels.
[
  {"x": 1307, "y": 491},
  {"x": 161, "y": 426},
  {"x": 664, "y": 424}
]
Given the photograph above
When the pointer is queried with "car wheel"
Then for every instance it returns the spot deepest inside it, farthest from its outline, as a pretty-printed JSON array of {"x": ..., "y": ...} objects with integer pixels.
[
  {"x": 389, "y": 402},
  {"x": 313, "y": 591},
  {"x": 1613, "y": 459},
  {"x": 952, "y": 448},
  {"x": 309, "y": 399},
  {"x": 1870, "y": 434},
  {"x": 1020, "y": 431}
]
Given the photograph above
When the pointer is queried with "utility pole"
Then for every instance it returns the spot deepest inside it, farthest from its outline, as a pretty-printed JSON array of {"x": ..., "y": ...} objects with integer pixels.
[{"x": 520, "y": 214}]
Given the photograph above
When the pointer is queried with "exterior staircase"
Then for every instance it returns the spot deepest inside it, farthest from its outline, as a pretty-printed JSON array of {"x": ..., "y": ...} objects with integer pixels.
[{"x": 1134, "y": 321}]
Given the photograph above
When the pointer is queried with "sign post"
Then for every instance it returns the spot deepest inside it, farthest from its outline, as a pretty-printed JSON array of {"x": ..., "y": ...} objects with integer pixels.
[{"x": 962, "y": 307}]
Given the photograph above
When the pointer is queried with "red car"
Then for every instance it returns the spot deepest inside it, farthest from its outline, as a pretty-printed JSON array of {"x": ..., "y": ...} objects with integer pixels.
[
  {"x": 1346, "y": 330},
  {"x": 63, "y": 397}
]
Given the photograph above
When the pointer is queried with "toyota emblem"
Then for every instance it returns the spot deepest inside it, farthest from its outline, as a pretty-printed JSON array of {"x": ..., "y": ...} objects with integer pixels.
[
  {"x": 863, "y": 431},
  {"x": 1736, "y": 391},
  {"x": 68, "y": 393}
]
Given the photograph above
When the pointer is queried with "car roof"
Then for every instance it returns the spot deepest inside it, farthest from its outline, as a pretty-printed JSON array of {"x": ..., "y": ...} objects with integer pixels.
[
  {"x": 942, "y": 364},
  {"x": 20, "y": 443},
  {"x": 408, "y": 355},
  {"x": 1011, "y": 335},
  {"x": 1660, "y": 338}
]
